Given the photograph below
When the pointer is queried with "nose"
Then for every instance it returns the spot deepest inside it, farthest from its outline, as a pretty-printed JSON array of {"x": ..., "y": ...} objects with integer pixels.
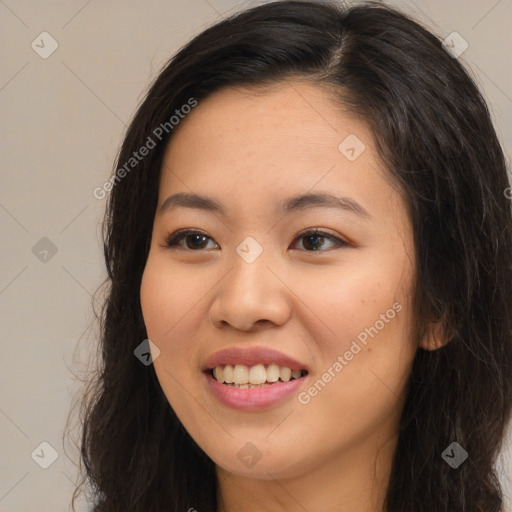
[{"x": 251, "y": 297}]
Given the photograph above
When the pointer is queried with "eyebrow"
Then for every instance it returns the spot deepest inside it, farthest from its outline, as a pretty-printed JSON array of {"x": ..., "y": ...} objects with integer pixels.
[{"x": 289, "y": 205}]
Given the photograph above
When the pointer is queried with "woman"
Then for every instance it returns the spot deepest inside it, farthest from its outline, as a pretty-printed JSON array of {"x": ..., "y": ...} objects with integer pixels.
[{"x": 308, "y": 246}]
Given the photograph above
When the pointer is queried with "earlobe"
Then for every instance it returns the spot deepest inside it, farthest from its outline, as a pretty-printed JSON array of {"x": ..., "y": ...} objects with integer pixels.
[{"x": 435, "y": 337}]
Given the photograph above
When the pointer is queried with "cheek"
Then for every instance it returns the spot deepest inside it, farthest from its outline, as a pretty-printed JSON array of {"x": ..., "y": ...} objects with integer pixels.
[
  {"x": 355, "y": 300},
  {"x": 173, "y": 307},
  {"x": 164, "y": 305},
  {"x": 361, "y": 380},
  {"x": 166, "y": 296},
  {"x": 161, "y": 309},
  {"x": 154, "y": 301}
]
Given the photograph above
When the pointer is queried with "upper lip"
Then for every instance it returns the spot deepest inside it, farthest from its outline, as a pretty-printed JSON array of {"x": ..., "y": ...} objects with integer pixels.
[{"x": 251, "y": 357}]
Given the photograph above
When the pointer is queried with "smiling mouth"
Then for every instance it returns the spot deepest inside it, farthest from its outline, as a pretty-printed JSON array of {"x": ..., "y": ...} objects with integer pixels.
[{"x": 251, "y": 377}]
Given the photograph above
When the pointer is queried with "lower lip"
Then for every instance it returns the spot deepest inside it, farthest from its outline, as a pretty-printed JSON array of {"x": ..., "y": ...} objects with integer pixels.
[{"x": 254, "y": 399}]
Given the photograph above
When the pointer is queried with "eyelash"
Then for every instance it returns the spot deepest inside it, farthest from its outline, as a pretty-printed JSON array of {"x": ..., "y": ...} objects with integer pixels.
[{"x": 172, "y": 240}]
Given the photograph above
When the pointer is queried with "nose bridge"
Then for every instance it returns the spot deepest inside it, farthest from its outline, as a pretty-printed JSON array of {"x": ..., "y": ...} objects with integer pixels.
[
  {"x": 249, "y": 274},
  {"x": 250, "y": 292}
]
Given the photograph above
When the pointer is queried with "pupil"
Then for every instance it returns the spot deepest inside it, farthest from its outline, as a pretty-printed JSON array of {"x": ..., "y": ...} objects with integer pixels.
[
  {"x": 317, "y": 238},
  {"x": 196, "y": 237}
]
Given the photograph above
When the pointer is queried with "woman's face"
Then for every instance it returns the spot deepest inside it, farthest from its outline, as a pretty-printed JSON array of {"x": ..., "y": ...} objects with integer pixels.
[{"x": 253, "y": 276}]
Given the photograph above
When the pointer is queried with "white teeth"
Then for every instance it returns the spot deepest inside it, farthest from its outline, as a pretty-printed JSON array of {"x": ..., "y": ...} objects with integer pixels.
[
  {"x": 240, "y": 374},
  {"x": 246, "y": 377},
  {"x": 296, "y": 374},
  {"x": 218, "y": 373},
  {"x": 248, "y": 386},
  {"x": 285, "y": 373},
  {"x": 257, "y": 374},
  {"x": 273, "y": 373},
  {"x": 228, "y": 374}
]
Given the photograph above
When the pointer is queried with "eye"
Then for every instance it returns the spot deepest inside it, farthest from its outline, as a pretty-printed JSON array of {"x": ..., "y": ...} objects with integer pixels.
[
  {"x": 196, "y": 237},
  {"x": 314, "y": 239}
]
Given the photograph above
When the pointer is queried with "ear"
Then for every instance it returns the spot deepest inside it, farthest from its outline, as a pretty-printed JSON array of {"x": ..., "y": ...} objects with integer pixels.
[{"x": 436, "y": 336}]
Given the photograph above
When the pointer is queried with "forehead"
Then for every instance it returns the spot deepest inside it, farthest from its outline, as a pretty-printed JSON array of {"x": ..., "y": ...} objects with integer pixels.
[
  {"x": 292, "y": 116},
  {"x": 274, "y": 142}
]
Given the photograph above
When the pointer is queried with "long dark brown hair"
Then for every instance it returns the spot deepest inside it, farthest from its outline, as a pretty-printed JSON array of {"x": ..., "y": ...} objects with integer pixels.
[{"x": 434, "y": 133}]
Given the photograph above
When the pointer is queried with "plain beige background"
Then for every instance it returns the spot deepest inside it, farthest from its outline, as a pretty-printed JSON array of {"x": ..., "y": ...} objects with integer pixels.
[{"x": 63, "y": 118}]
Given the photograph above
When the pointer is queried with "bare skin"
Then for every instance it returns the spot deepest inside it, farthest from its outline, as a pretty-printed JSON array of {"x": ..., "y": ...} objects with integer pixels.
[{"x": 308, "y": 298}]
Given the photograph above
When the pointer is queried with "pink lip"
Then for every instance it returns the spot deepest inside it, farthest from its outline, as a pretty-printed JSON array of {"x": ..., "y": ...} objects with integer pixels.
[
  {"x": 251, "y": 357},
  {"x": 252, "y": 399}
]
